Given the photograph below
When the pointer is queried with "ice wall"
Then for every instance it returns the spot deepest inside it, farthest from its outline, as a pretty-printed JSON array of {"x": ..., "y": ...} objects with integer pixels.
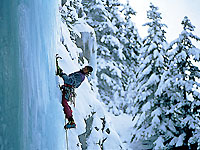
[
  {"x": 28, "y": 100},
  {"x": 10, "y": 74}
]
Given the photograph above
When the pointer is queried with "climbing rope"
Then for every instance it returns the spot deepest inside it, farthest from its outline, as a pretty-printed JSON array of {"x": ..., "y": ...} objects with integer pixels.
[{"x": 66, "y": 136}]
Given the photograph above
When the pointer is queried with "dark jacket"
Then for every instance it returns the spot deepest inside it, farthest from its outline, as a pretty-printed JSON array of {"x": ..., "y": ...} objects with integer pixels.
[{"x": 75, "y": 79}]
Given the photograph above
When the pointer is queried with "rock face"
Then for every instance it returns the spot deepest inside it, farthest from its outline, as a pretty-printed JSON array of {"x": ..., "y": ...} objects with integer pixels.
[{"x": 83, "y": 137}]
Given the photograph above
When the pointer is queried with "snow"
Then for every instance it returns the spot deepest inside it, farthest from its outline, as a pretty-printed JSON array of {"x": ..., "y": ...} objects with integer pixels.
[
  {"x": 123, "y": 125},
  {"x": 159, "y": 143},
  {"x": 153, "y": 79},
  {"x": 74, "y": 51},
  {"x": 146, "y": 106},
  {"x": 195, "y": 52},
  {"x": 31, "y": 112},
  {"x": 180, "y": 140},
  {"x": 146, "y": 71},
  {"x": 79, "y": 26}
]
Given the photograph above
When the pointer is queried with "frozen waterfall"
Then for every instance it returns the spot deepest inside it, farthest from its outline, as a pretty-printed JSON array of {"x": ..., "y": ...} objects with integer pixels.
[{"x": 28, "y": 94}]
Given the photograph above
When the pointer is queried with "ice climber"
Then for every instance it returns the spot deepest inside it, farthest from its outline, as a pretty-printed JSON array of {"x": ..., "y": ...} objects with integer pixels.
[{"x": 71, "y": 81}]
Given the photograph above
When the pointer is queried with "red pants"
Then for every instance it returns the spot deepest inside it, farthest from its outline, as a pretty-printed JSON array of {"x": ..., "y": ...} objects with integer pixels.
[{"x": 67, "y": 108}]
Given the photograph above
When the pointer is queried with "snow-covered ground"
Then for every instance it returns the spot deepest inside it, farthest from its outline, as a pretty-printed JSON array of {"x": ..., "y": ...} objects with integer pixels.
[{"x": 123, "y": 125}]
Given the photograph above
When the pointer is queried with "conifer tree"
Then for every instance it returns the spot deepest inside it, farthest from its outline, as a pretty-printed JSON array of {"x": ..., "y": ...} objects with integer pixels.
[
  {"x": 71, "y": 12},
  {"x": 131, "y": 41},
  {"x": 147, "y": 105},
  {"x": 104, "y": 17},
  {"x": 181, "y": 86}
]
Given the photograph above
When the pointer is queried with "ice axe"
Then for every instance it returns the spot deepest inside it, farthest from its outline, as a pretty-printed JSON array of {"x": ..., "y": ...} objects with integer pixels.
[{"x": 58, "y": 70}]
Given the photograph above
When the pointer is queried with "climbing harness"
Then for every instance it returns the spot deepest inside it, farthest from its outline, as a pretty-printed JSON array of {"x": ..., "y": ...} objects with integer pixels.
[
  {"x": 73, "y": 96},
  {"x": 69, "y": 92}
]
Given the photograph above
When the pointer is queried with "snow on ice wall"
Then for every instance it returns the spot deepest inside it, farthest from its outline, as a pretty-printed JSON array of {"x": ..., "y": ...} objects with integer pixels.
[{"x": 29, "y": 105}]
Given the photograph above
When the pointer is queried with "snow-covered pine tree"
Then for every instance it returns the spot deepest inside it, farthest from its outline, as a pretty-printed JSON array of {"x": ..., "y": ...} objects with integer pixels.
[
  {"x": 71, "y": 11},
  {"x": 104, "y": 17},
  {"x": 72, "y": 16},
  {"x": 131, "y": 41},
  {"x": 147, "y": 105},
  {"x": 181, "y": 86}
]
